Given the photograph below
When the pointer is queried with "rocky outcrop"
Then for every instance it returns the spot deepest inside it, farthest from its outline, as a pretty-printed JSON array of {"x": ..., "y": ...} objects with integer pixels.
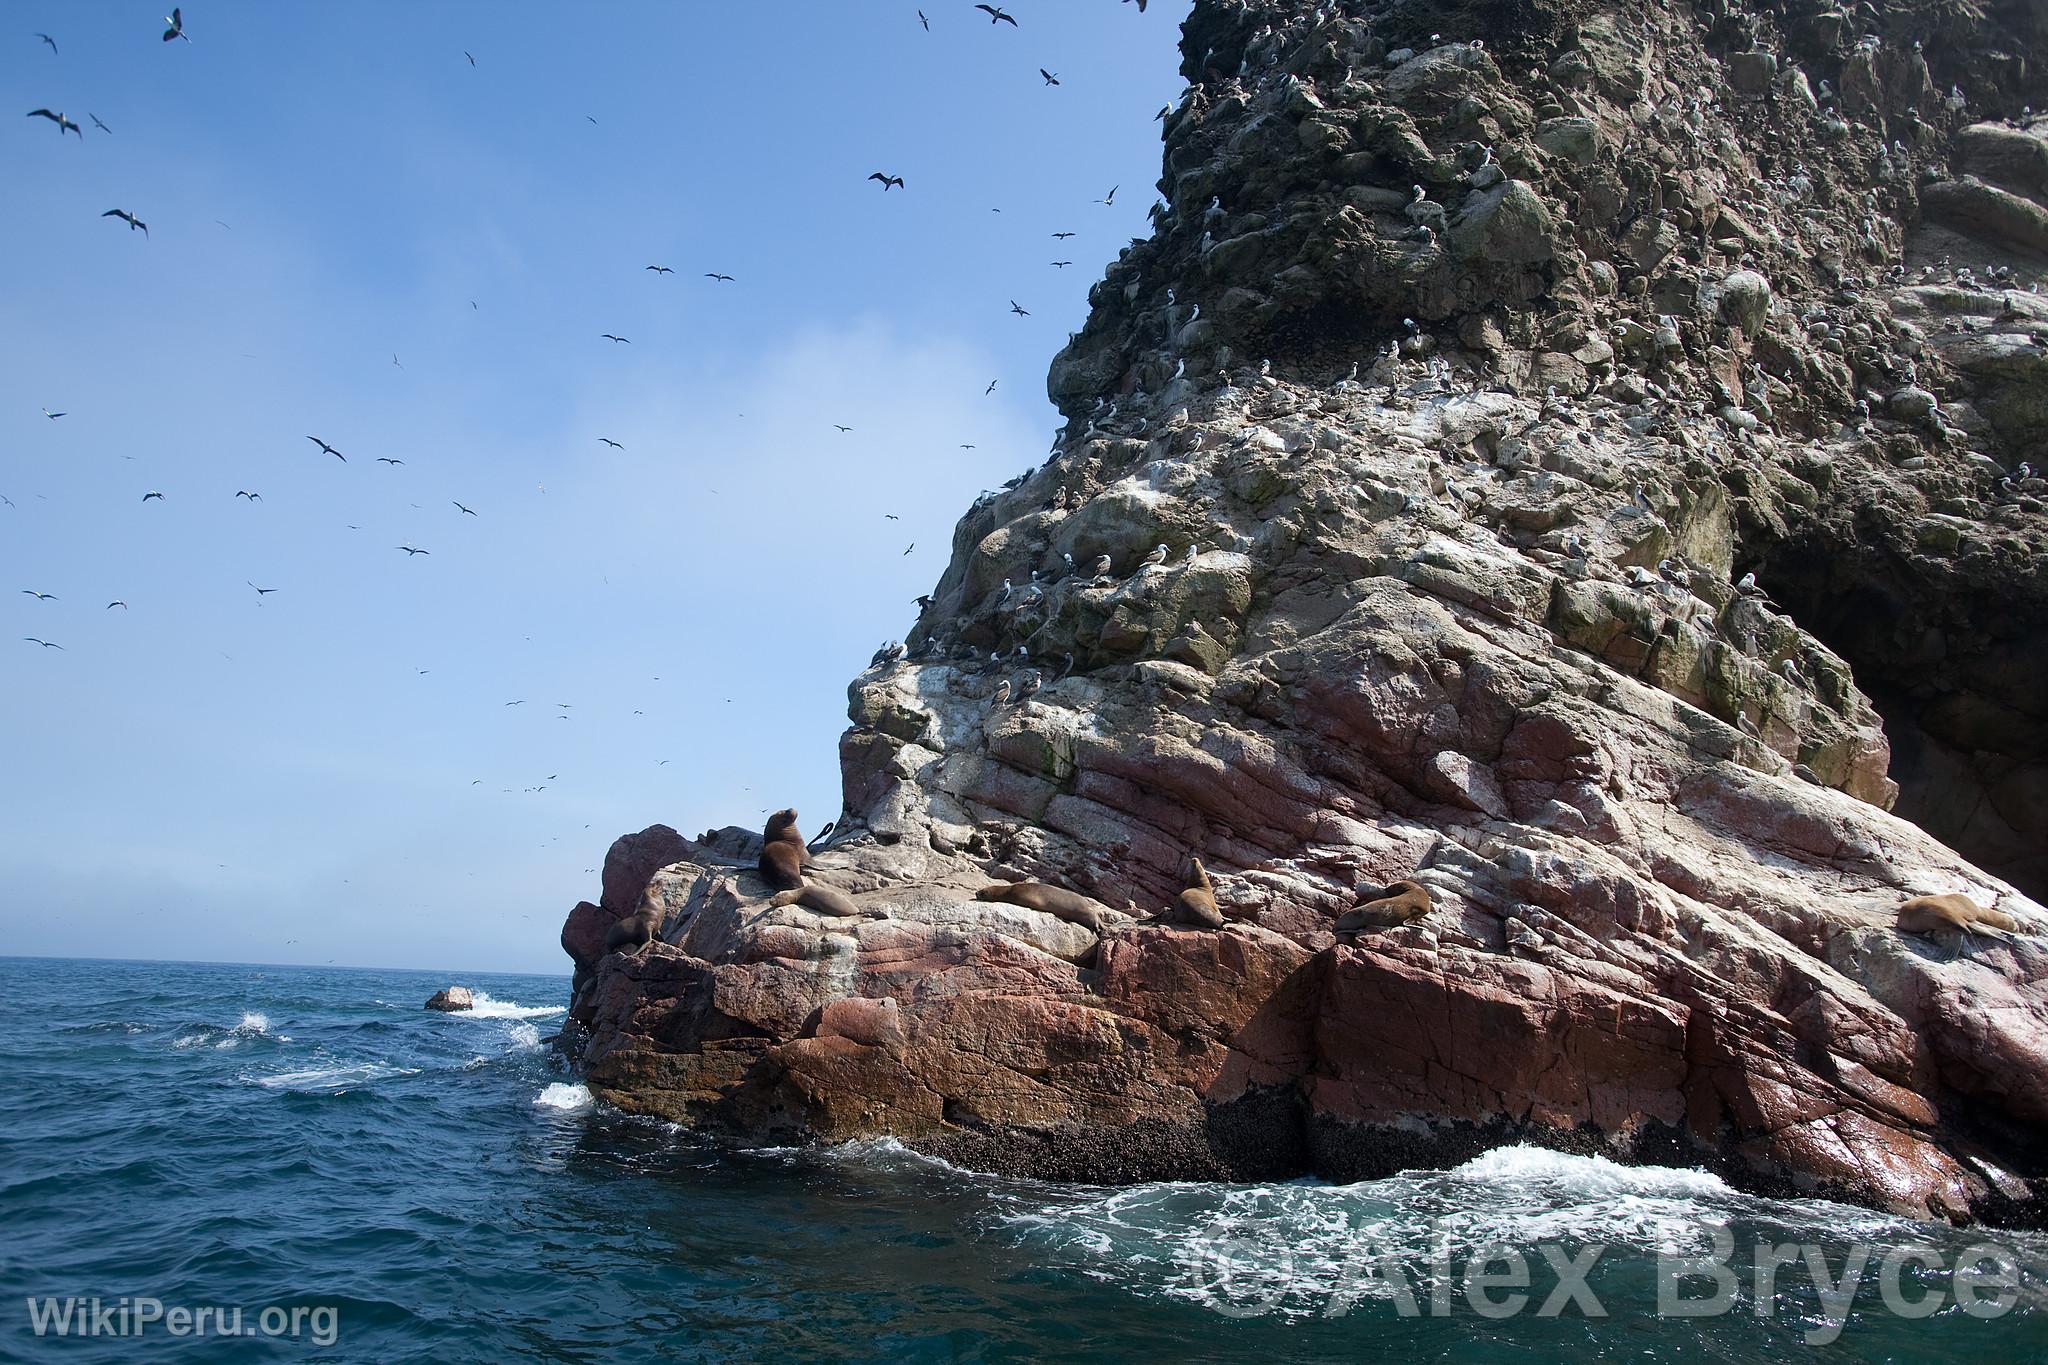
[
  {"x": 451, "y": 1000},
  {"x": 1593, "y": 497}
]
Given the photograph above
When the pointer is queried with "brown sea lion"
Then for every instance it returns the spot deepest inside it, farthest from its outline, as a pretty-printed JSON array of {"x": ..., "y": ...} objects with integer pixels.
[
  {"x": 633, "y": 932},
  {"x": 1927, "y": 914},
  {"x": 1402, "y": 903},
  {"x": 823, "y": 899},
  {"x": 1197, "y": 904},
  {"x": 1059, "y": 902},
  {"x": 783, "y": 854}
]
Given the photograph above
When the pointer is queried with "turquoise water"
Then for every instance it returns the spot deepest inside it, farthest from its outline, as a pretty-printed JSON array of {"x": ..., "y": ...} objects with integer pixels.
[{"x": 282, "y": 1137}]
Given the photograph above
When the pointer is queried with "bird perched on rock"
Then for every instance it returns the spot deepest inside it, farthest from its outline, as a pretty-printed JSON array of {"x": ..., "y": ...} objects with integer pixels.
[
  {"x": 1194, "y": 553},
  {"x": 1101, "y": 569},
  {"x": 1001, "y": 694},
  {"x": 1151, "y": 561},
  {"x": 1030, "y": 684}
]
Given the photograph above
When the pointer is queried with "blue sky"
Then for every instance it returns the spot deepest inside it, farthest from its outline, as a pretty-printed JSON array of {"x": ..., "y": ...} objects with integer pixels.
[{"x": 331, "y": 772}]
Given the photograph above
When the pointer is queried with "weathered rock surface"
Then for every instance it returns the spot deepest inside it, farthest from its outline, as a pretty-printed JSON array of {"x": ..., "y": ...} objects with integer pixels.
[
  {"x": 452, "y": 1000},
  {"x": 1467, "y": 384}
]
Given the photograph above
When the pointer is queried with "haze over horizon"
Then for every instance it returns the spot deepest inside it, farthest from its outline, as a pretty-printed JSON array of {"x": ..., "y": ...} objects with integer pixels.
[{"x": 355, "y": 232}]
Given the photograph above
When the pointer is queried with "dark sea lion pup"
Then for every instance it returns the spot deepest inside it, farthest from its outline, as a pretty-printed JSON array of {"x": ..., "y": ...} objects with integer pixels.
[
  {"x": 1927, "y": 914},
  {"x": 634, "y": 932},
  {"x": 1402, "y": 903},
  {"x": 1197, "y": 904},
  {"x": 782, "y": 852},
  {"x": 822, "y": 899},
  {"x": 1057, "y": 901}
]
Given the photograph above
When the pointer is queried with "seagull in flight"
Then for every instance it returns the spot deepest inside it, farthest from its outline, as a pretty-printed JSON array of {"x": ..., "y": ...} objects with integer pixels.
[
  {"x": 472, "y": 60},
  {"x": 44, "y": 643},
  {"x": 1110, "y": 198},
  {"x": 888, "y": 181},
  {"x": 841, "y": 430},
  {"x": 152, "y": 493},
  {"x": 386, "y": 459},
  {"x": 124, "y": 215},
  {"x": 122, "y": 605},
  {"x": 51, "y": 41},
  {"x": 607, "y": 336},
  {"x": 996, "y": 16},
  {"x": 714, "y": 275},
  {"x": 40, "y": 596},
  {"x": 96, "y": 123},
  {"x": 53, "y": 416},
  {"x": 1050, "y": 79},
  {"x": 1061, "y": 236},
  {"x": 327, "y": 449},
  {"x": 1020, "y": 312},
  {"x": 464, "y": 510},
  {"x": 1061, "y": 265},
  {"x": 252, "y": 497},
  {"x": 260, "y": 592},
  {"x": 176, "y": 20},
  {"x": 661, "y": 270},
  {"x": 58, "y": 119},
  {"x": 990, "y": 389},
  {"x": 411, "y": 551},
  {"x": 610, "y": 442}
]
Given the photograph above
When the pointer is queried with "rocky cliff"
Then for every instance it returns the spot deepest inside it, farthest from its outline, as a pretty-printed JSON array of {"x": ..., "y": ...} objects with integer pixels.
[{"x": 1587, "y": 445}]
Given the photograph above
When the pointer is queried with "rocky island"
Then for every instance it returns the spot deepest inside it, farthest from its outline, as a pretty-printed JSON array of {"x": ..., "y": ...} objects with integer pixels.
[{"x": 1576, "y": 459}]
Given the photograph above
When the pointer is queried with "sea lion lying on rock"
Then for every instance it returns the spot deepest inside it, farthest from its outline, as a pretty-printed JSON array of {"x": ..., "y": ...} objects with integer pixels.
[
  {"x": 1929, "y": 914},
  {"x": 634, "y": 932},
  {"x": 1402, "y": 903},
  {"x": 822, "y": 899},
  {"x": 1071, "y": 906},
  {"x": 783, "y": 854}
]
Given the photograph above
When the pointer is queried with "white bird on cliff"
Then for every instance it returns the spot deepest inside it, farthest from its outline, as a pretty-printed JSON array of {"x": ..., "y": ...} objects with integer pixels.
[{"x": 1152, "y": 561}]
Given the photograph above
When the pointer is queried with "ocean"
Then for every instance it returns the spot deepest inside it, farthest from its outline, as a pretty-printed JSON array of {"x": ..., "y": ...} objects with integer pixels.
[{"x": 306, "y": 1158}]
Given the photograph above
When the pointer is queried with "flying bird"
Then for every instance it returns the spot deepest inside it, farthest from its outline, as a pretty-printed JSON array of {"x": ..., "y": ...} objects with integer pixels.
[
  {"x": 1110, "y": 198},
  {"x": 51, "y": 41},
  {"x": 472, "y": 60},
  {"x": 411, "y": 551},
  {"x": 1061, "y": 265},
  {"x": 386, "y": 459},
  {"x": 996, "y": 16},
  {"x": 260, "y": 592},
  {"x": 661, "y": 270},
  {"x": 1050, "y": 79},
  {"x": 913, "y": 546},
  {"x": 327, "y": 449},
  {"x": 841, "y": 430},
  {"x": 44, "y": 643},
  {"x": 96, "y": 123},
  {"x": 888, "y": 181},
  {"x": 607, "y": 336},
  {"x": 714, "y": 275},
  {"x": 176, "y": 20},
  {"x": 152, "y": 493},
  {"x": 1061, "y": 236},
  {"x": 252, "y": 497},
  {"x": 62, "y": 123},
  {"x": 990, "y": 389},
  {"x": 53, "y": 416},
  {"x": 1018, "y": 311},
  {"x": 40, "y": 596},
  {"x": 124, "y": 215},
  {"x": 464, "y": 510},
  {"x": 610, "y": 442},
  {"x": 122, "y": 605}
]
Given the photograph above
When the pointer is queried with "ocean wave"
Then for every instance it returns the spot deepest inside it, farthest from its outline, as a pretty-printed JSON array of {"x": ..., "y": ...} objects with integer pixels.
[
  {"x": 568, "y": 1098},
  {"x": 487, "y": 1007},
  {"x": 252, "y": 1027},
  {"x": 332, "y": 1077}
]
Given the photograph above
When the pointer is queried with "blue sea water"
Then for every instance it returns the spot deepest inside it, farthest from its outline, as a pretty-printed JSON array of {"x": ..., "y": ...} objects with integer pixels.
[{"x": 426, "y": 1187}]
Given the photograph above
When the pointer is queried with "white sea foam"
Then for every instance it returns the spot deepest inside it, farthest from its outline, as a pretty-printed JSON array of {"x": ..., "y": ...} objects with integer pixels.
[
  {"x": 564, "y": 1097},
  {"x": 333, "y": 1077},
  {"x": 488, "y": 1008},
  {"x": 253, "y": 1023},
  {"x": 525, "y": 1037}
]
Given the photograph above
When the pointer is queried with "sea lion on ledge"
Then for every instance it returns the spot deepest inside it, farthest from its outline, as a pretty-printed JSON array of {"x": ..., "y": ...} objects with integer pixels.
[
  {"x": 1402, "y": 903},
  {"x": 1197, "y": 904},
  {"x": 783, "y": 854},
  {"x": 823, "y": 899},
  {"x": 1059, "y": 902},
  {"x": 1926, "y": 914},
  {"x": 634, "y": 932}
]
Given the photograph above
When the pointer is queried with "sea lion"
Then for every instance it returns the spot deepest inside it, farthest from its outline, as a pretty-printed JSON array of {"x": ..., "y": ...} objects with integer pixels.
[
  {"x": 823, "y": 899},
  {"x": 1402, "y": 903},
  {"x": 1927, "y": 914},
  {"x": 634, "y": 932},
  {"x": 1059, "y": 902},
  {"x": 783, "y": 854},
  {"x": 1197, "y": 904}
]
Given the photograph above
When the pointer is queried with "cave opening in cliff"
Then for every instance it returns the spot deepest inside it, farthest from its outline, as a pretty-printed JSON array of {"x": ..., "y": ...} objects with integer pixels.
[{"x": 1954, "y": 664}]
